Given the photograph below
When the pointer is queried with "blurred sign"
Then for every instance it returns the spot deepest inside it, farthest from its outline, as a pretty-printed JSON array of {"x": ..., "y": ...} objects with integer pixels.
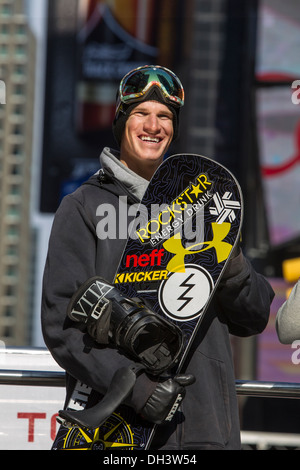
[
  {"x": 278, "y": 40},
  {"x": 278, "y": 114},
  {"x": 113, "y": 38},
  {"x": 28, "y": 413},
  {"x": 85, "y": 64},
  {"x": 279, "y": 146}
]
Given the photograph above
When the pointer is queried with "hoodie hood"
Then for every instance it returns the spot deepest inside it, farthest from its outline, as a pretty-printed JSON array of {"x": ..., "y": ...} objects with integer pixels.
[{"x": 112, "y": 167}]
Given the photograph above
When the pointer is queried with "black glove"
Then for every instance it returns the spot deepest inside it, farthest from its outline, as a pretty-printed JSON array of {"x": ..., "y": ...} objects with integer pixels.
[
  {"x": 166, "y": 398},
  {"x": 126, "y": 323}
]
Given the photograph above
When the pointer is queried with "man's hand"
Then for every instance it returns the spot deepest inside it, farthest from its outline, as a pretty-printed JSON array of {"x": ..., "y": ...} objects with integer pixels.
[{"x": 166, "y": 398}]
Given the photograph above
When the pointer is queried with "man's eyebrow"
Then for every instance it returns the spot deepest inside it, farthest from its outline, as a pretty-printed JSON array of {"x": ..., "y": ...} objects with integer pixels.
[{"x": 165, "y": 112}]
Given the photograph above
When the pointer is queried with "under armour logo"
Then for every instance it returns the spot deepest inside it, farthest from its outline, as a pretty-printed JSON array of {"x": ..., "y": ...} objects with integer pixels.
[
  {"x": 174, "y": 245},
  {"x": 225, "y": 207}
]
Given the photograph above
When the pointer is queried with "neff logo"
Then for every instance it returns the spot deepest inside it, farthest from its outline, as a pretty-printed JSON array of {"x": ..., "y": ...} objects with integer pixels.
[{"x": 296, "y": 94}]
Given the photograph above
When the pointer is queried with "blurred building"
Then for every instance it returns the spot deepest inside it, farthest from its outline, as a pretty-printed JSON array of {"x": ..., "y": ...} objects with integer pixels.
[{"x": 17, "y": 72}]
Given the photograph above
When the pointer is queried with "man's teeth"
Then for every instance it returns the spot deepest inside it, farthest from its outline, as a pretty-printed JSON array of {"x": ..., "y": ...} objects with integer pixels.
[{"x": 150, "y": 139}]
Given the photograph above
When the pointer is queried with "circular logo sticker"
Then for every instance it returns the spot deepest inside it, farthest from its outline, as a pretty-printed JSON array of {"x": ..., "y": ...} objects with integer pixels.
[{"x": 183, "y": 296}]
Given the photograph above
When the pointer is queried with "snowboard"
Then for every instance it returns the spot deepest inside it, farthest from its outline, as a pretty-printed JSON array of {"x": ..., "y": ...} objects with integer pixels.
[{"x": 185, "y": 230}]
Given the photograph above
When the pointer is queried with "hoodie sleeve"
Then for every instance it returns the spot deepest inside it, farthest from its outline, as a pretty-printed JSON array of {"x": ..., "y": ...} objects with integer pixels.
[
  {"x": 244, "y": 298},
  {"x": 70, "y": 262}
]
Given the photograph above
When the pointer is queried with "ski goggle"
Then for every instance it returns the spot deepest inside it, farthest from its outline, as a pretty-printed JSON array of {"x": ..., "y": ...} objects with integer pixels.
[{"x": 136, "y": 85}]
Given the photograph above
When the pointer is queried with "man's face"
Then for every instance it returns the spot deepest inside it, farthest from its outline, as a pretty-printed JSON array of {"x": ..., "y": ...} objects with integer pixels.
[{"x": 146, "y": 138}]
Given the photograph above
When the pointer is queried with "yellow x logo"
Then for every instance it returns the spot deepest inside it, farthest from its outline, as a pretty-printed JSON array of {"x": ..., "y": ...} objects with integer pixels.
[{"x": 174, "y": 245}]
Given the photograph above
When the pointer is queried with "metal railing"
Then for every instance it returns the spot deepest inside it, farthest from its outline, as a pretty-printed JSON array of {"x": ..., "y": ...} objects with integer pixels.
[
  {"x": 249, "y": 439},
  {"x": 57, "y": 379},
  {"x": 32, "y": 377},
  {"x": 267, "y": 389}
]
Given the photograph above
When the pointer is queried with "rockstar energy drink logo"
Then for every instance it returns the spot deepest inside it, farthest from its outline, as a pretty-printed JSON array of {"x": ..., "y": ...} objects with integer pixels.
[{"x": 173, "y": 216}]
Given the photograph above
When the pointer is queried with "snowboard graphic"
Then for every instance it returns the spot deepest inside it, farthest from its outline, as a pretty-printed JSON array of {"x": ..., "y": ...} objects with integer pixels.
[{"x": 187, "y": 226}]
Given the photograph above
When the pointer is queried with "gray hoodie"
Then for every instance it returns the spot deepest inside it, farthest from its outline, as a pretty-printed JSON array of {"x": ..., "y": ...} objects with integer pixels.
[{"x": 110, "y": 162}]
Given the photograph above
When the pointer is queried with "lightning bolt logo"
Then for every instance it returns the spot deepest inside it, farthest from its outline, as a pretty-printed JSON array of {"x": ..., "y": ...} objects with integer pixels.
[
  {"x": 177, "y": 297},
  {"x": 183, "y": 296}
]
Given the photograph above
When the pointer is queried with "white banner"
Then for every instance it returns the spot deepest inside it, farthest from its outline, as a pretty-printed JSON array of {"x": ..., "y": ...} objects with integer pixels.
[{"x": 28, "y": 413}]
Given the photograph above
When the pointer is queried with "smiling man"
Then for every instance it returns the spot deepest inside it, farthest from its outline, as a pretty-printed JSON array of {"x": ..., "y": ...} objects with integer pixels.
[
  {"x": 146, "y": 138},
  {"x": 146, "y": 122},
  {"x": 148, "y": 105}
]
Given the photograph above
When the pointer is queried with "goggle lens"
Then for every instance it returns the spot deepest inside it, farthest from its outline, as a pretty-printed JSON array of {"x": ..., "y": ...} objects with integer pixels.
[{"x": 137, "y": 83}]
